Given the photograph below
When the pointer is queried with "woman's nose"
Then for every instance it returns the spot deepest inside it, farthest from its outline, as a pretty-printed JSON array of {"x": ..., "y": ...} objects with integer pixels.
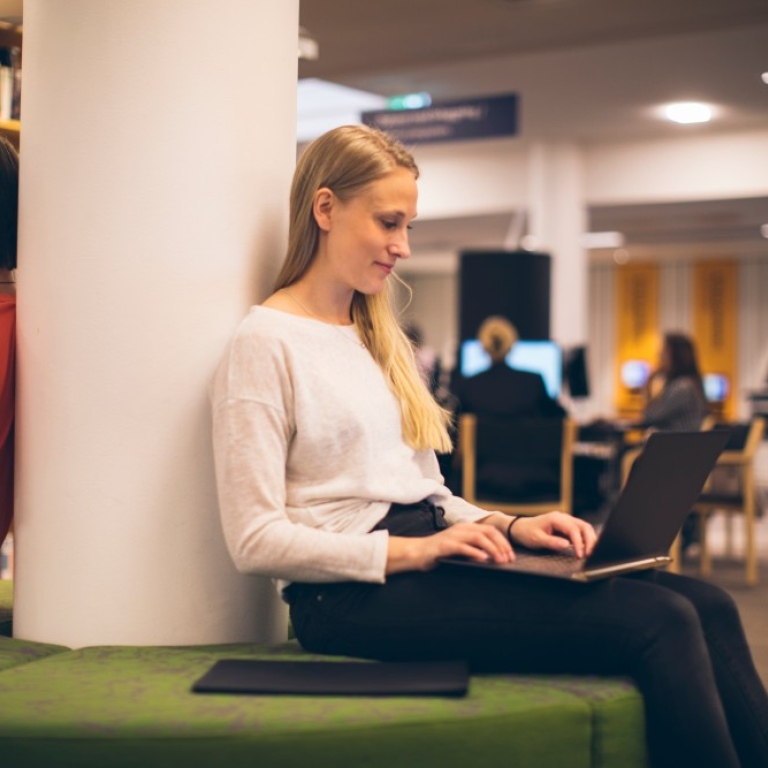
[{"x": 401, "y": 247}]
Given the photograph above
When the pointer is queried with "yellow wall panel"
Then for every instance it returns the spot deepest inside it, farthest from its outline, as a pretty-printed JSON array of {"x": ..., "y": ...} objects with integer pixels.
[
  {"x": 715, "y": 307},
  {"x": 637, "y": 331}
]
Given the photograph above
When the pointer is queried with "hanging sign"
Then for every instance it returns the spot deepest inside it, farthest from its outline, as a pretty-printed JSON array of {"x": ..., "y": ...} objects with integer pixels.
[{"x": 449, "y": 121}]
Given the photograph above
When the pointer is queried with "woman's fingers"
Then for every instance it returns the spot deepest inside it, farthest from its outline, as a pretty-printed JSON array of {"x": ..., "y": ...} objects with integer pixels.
[
  {"x": 570, "y": 532},
  {"x": 558, "y": 531},
  {"x": 479, "y": 541},
  {"x": 580, "y": 534},
  {"x": 473, "y": 540}
]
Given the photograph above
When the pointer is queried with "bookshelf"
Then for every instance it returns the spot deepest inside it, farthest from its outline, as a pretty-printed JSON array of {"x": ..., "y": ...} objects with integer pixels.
[{"x": 11, "y": 35}]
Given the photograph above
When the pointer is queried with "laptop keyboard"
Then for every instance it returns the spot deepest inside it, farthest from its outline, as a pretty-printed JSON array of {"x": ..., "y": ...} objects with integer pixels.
[{"x": 544, "y": 562}]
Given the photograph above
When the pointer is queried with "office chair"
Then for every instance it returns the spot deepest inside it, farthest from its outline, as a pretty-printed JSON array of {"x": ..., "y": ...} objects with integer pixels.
[
  {"x": 518, "y": 465},
  {"x": 738, "y": 458}
]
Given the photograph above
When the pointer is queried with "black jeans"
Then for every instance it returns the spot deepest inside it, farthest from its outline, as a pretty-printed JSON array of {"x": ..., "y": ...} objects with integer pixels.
[{"x": 679, "y": 638}]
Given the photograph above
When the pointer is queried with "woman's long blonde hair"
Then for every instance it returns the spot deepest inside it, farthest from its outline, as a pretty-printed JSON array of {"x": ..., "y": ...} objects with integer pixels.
[{"x": 346, "y": 160}]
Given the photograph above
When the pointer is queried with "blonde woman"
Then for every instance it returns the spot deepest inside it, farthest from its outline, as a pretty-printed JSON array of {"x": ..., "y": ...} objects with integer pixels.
[{"x": 325, "y": 440}]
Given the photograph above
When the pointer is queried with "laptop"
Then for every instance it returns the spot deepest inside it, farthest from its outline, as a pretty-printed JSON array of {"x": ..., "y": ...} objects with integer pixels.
[
  {"x": 335, "y": 678},
  {"x": 662, "y": 486}
]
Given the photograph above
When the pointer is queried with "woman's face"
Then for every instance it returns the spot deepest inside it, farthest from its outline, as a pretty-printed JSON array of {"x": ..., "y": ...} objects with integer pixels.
[{"x": 367, "y": 235}]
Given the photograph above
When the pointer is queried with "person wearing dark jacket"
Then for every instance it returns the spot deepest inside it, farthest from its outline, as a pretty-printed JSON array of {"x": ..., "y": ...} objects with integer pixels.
[
  {"x": 501, "y": 390},
  {"x": 507, "y": 393}
]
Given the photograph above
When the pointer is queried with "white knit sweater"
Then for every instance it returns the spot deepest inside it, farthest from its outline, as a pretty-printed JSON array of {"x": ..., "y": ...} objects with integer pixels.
[{"x": 309, "y": 452}]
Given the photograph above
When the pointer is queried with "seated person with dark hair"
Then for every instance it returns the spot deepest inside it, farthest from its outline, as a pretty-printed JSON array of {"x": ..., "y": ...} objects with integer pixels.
[{"x": 678, "y": 402}]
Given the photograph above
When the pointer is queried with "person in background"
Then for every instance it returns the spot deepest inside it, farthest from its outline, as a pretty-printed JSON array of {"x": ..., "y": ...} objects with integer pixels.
[
  {"x": 677, "y": 401},
  {"x": 324, "y": 439},
  {"x": 9, "y": 206},
  {"x": 501, "y": 390},
  {"x": 505, "y": 392}
]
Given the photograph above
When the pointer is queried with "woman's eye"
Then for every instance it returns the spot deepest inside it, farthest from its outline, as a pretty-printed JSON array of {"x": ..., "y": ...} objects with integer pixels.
[{"x": 389, "y": 224}]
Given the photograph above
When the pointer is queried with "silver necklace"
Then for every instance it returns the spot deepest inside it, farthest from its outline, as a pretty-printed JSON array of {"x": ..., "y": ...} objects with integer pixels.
[{"x": 338, "y": 330}]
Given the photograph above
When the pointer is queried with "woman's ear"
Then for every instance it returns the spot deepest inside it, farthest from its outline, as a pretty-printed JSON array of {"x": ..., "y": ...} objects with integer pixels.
[{"x": 322, "y": 207}]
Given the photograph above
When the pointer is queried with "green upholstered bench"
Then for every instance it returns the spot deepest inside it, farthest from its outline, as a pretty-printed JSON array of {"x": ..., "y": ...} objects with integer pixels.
[
  {"x": 14, "y": 653},
  {"x": 132, "y": 706}
]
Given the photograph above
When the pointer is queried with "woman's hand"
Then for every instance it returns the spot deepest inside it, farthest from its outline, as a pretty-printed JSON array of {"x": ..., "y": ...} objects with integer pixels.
[
  {"x": 555, "y": 530},
  {"x": 474, "y": 540}
]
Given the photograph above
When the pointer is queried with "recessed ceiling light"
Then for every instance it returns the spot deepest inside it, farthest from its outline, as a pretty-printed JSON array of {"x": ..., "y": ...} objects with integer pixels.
[
  {"x": 764, "y": 77},
  {"x": 621, "y": 256},
  {"x": 688, "y": 112}
]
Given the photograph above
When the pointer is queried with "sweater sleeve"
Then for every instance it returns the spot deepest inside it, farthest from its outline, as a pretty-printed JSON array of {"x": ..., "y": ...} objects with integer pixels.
[
  {"x": 251, "y": 435},
  {"x": 676, "y": 401}
]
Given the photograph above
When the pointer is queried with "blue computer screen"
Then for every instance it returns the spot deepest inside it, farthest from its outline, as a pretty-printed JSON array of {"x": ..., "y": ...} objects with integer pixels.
[
  {"x": 544, "y": 357},
  {"x": 635, "y": 373},
  {"x": 716, "y": 387}
]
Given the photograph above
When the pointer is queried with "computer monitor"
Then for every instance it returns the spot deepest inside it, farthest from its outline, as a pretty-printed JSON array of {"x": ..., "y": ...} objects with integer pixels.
[
  {"x": 575, "y": 371},
  {"x": 543, "y": 357},
  {"x": 635, "y": 373},
  {"x": 716, "y": 387}
]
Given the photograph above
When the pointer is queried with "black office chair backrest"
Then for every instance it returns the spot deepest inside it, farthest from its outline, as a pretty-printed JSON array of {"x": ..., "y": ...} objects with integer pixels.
[
  {"x": 513, "y": 439},
  {"x": 519, "y": 459}
]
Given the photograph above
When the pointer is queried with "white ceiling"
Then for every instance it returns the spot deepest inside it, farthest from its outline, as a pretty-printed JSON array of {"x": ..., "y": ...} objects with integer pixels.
[{"x": 586, "y": 70}]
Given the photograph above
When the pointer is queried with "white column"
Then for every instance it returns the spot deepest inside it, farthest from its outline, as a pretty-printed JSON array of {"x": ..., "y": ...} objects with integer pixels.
[
  {"x": 158, "y": 140},
  {"x": 558, "y": 219}
]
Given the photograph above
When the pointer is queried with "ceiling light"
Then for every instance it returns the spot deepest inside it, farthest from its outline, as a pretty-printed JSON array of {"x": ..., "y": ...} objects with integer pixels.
[
  {"x": 764, "y": 77},
  {"x": 688, "y": 112},
  {"x": 764, "y": 231},
  {"x": 621, "y": 256}
]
